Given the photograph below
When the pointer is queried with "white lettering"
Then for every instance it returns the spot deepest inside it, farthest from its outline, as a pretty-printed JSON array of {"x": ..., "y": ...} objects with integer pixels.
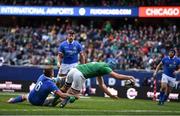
[
  {"x": 174, "y": 96},
  {"x": 110, "y": 11},
  {"x": 36, "y": 11},
  {"x": 112, "y": 81},
  {"x": 162, "y": 11},
  {"x": 23, "y": 10},
  {"x": 55, "y": 11},
  {"x": 9, "y": 85}
]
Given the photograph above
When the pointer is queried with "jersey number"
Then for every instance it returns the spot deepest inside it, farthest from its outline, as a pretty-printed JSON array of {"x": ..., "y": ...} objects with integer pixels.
[{"x": 38, "y": 86}]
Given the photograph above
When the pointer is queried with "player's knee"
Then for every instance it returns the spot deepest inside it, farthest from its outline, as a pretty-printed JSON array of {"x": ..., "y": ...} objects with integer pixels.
[
  {"x": 24, "y": 97},
  {"x": 65, "y": 87}
]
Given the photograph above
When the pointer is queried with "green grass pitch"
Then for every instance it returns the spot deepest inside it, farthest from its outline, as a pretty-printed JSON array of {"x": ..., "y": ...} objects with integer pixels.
[{"x": 91, "y": 106}]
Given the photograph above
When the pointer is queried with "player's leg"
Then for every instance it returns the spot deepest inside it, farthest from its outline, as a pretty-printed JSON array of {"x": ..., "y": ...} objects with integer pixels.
[
  {"x": 51, "y": 101},
  {"x": 166, "y": 95},
  {"x": 65, "y": 87},
  {"x": 163, "y": 89},
  {"x": 70, "y": 99},
  {"x": 78, "y": 81},
  {"x": 60, "y": 81},
  {"x": 18, "y": 99},
  {"x": 69, "y": 80},
  {"x": 171, "y": 84},
  {"x": 62, "y": 73}
]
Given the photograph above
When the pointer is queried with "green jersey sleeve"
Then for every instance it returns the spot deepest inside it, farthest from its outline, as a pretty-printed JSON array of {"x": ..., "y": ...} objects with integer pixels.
[{"x": 106, "y": 70}]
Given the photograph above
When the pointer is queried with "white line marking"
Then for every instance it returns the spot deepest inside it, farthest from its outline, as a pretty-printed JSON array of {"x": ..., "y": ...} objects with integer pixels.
[
  {"x": 7, "y": 94},
  {"x": 90, "y": 110}
]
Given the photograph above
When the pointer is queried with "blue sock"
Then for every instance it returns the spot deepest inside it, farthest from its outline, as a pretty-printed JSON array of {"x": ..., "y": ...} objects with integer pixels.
[
  {"x": 165, "y": 97},
  {"x": 161, "y": 96},
  {"x": 17, "y": 99}
]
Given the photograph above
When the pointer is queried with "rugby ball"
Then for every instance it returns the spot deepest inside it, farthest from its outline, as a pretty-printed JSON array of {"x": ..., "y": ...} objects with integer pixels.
[{"x": 128, "y": 83}]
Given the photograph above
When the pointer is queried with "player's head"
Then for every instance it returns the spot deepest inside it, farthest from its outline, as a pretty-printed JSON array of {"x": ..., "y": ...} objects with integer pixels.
[
  {"x": 172, "y": 53},
  {"x": 112, "y": 63},
  {"x": 71, "y": 36},
  {"x": 48, "y": 71}
]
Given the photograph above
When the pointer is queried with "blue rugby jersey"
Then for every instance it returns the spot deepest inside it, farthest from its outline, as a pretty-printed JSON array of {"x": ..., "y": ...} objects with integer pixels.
[
  {"x": 70, "y": 51},
  {"x": 170, "y": 65},
  {"x": 44, "y": 86}
]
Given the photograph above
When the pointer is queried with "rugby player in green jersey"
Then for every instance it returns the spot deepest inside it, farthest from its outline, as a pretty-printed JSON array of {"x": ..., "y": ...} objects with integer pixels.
[{"x": 77, "y": 76}]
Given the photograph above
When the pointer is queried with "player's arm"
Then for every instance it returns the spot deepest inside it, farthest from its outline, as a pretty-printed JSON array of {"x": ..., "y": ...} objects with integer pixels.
[
  {"x": 104, "y": 88},
  {"x": 122, "y": 77},
  {"x": 59, "y": 58},
  {"x": 60, "y": 55},
  {"x": 61, "y": 94},
  {"x": 157, "y": 69},
  {"x": 64, "y": 95},
  {"x": 81, "y": 53},
  {"x": 177, "y": 71},
  {"x": 82, "y": 57}
]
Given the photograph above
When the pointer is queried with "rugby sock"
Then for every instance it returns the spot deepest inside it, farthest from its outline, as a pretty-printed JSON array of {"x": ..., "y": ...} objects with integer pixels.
[
  {"x": 165, "y": 97},
  {"x": 55, "y": 100},
  {"x": 161, "y": 96},
  {"x": 17, "y": 99}
]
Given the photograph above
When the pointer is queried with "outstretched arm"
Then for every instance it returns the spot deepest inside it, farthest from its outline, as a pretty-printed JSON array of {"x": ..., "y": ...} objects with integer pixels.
[
  {"x": 157, "y": 69},
  {"x": 104, "y": 88},
  {"x": 61, "y": 94},
  {"x": 64, "y": 95},
  {"x": 122, "y": 77}
]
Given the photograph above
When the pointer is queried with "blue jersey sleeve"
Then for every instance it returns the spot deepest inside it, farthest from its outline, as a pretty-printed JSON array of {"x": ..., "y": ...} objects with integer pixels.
[
  {"x": 178, "y": 62},
  {"x": 79, "y": 47},
  {"x": 60, "y": 49},
  {"x": 163, "y": 60},
  {"x": 53, "y": 87}
]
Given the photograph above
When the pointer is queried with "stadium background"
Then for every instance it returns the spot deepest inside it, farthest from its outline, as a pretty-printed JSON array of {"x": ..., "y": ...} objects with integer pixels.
[{"x": 138, "y": 43}]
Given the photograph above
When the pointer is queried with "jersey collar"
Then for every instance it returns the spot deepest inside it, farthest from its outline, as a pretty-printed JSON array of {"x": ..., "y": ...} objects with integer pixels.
[
  {"x": 47, "y": 77},
  {"x": 171, "y": 58},
  {"x": 69, "y": 42}
]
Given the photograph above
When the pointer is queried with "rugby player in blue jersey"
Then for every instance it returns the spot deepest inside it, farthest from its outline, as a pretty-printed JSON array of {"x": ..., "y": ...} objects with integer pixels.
[
  {"x": 68, "y": 54},
  {"x": 171, "y": 66},
  {"x": 44, "y": 86}
]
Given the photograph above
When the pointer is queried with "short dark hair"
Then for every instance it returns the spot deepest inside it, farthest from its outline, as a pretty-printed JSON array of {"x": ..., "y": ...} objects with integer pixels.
[
  {"x": 47, "y": 70},
  {"x": 172, "y": 50},
  {"x": 71, "y": 32}
]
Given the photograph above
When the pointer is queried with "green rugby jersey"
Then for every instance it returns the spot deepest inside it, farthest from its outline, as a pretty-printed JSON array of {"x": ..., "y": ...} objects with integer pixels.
[{"x": 94, "y": 69}]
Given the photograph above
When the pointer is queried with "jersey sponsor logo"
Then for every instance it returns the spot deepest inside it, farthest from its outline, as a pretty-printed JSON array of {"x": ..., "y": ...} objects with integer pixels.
[
  {"x": 70, "y": 52},
  {"x": 159, "y": 12}
]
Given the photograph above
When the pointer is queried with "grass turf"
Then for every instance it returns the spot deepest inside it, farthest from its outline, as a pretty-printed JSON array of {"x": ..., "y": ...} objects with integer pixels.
[{"x": 92, "y": 106}]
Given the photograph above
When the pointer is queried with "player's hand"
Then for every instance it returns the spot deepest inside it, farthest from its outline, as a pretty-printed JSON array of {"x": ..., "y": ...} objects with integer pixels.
[
  {"x": 114, "y": 97},
  {"x": 154, "y": 74},
  {"x": 175, "y": 72},
  {"x": 58, "y": 65},
  {"x": 132, "y": 79}
]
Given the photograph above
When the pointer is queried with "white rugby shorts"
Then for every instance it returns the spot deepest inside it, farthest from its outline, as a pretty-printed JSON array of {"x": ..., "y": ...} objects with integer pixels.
[
  {"x": 65, "y": 68},
  {"x": 169, "y": 80},
  {"x": 77, "y": 79}
]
